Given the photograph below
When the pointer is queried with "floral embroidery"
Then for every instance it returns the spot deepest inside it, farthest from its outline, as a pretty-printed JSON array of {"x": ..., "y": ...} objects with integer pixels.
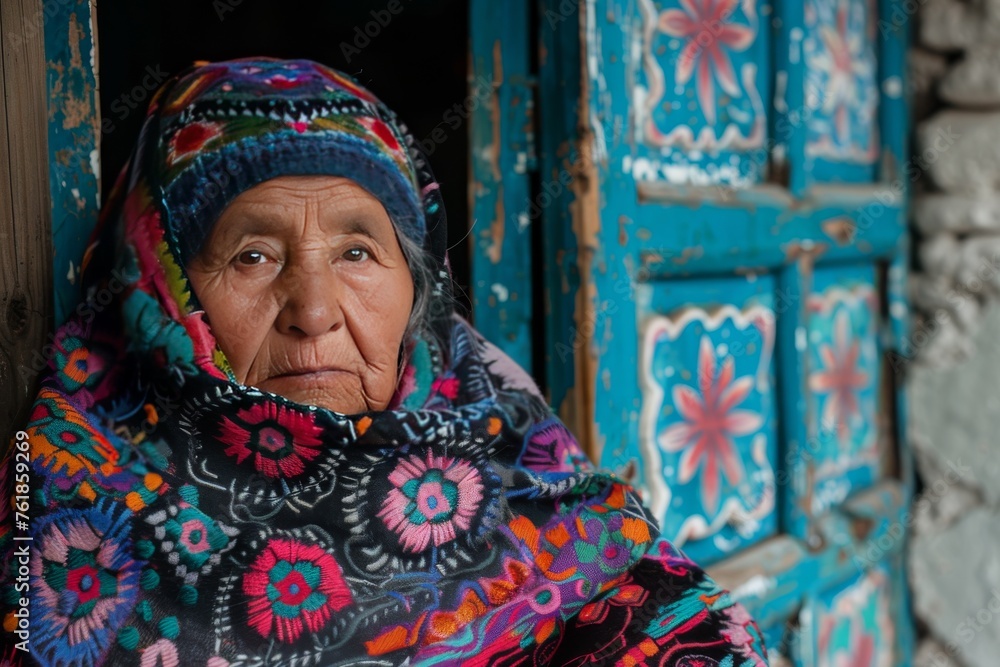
[
  {"x": 77, "y": 365},
  {"x": 841, "y": 378},
  {"x": 162, "y": 653},
  {"x": 192, "y": 138},
  {"x": 550, "y": 447},
  {"x": 191, "y": 540},
  {"x": 709, "y": 424},
  {"x": 282, "y": 440},
  {"x": 292, "y": 587},
  {"x": 84, "y": 583},
  {"x": 431, "y": 500},
  {"x": 706, "y": 26}
]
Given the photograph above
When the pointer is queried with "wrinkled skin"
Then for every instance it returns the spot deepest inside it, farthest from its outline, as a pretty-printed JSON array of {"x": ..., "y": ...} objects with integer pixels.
[{"x": 308, "y": 292}]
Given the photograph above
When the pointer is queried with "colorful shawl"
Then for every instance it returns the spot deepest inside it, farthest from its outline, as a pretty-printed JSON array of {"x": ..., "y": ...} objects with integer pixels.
[{"x": 168, "y": 515}]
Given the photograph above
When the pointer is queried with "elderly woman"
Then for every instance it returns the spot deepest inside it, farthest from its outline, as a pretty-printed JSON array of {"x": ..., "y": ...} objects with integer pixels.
[{"x": 267, "y": 438}]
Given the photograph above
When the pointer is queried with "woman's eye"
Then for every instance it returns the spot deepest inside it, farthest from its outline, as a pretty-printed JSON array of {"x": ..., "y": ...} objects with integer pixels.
[
  {"x": 250, "y": 257},
  {"x": 356, "y": 254}
]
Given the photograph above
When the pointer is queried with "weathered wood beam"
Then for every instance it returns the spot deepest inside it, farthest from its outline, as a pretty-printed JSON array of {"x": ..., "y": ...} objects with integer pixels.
[{"x": 25, "y": 236}]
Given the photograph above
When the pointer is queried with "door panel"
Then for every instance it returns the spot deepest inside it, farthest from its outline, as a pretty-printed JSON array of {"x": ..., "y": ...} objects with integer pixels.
[
  {"x": 699, "y": 98},
  {"x": 852, "y": 625},
  {"x": 843, "y": 380},
  {"x": 708, "y": 420},
  {"x": 842, "y": 94}
]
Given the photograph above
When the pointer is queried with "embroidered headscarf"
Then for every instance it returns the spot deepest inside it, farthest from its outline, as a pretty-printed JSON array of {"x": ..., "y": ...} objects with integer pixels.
[{"x": 178, "y": 517}]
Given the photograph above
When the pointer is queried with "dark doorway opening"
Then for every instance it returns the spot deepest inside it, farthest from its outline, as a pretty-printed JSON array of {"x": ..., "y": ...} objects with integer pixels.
[{"x": 413, "y": 54}]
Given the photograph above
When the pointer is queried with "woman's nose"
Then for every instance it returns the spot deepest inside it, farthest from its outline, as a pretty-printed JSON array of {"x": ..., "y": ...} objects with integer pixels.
[{"x": 312, "y": 302}]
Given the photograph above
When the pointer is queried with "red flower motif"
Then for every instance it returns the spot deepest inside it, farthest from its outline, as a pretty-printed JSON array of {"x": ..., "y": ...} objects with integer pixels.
[
  {"x": 840, "y": 378},
  {"x": 382, "y": 131},
  {"x": 282, "y": 82},
  {"x": 192, "y": 138},
  {"x": 281, "y": 439},
  {"x": 709, "y": 424},
  {"x": 291, "y": 587},
  {"x": 705, "y": 24}
]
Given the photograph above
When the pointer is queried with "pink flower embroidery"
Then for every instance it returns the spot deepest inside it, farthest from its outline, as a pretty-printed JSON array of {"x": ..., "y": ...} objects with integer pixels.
[
  {"x": 705, "y": 24},
  {"x": 291, "y": 587},
  {"x": 431, "y": 500},
  {"x": 840, "y": 378},
  {"x": 280, "y": 439},
  {"x": 710, "y": 424}
]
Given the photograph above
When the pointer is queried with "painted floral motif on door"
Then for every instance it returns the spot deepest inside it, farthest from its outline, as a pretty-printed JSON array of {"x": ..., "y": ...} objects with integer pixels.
[
  {"x": 701, "y": 89},
  {"x": 854, "y": 626},
  {"x": 708, "y": 426},
  {"x": 841, "y": 87},
  {"x": 843, "y": 383}
]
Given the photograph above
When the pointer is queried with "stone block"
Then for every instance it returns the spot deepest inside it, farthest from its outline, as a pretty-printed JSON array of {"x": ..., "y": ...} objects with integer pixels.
[
  {"x": 960, "y": 214},
  {"x": 972, "y": 265},
  {"x": 939, "y": 256},
  {"x": 960, "y": 151},
  {"x": 954, "y": 413},
  {"x": 926, "y": 68},
  {"x": 948, "y": 25},
  {"x": 956, "y": 586},
  {"x": 933, "y": 293},
  {"x": 932, "y": 654},
  {"x": 945, "y": 498},
  {"x": 974, "y": 81}
]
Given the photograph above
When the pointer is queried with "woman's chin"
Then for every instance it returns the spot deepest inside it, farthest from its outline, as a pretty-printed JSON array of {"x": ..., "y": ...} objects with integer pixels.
[{"x": 338, "y": 391}]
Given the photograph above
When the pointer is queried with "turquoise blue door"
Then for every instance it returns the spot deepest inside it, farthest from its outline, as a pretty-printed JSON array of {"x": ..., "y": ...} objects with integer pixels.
[{"x": 718, "y": 219}]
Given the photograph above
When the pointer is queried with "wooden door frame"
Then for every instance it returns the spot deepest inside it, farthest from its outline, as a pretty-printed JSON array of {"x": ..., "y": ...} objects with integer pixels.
[{"x": 25, "y": 253}]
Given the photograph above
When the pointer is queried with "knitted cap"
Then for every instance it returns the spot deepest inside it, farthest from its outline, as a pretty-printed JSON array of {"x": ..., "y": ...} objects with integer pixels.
[{"x": 226, "y": 127}]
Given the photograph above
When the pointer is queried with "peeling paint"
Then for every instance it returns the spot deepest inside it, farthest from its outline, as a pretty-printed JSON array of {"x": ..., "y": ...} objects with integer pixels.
[
  {"x": 501, "y": 292},
  {"x": 73, "y": 140},
  {"x": 77, "y": 105},
  {"x": 497, "y": 229},
  {"x": 623, "y": 221},
  {"x": 842, "y": 230}
]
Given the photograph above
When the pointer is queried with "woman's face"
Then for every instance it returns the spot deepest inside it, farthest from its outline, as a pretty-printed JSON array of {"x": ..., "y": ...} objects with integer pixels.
[{"x": 308, "y": 292}]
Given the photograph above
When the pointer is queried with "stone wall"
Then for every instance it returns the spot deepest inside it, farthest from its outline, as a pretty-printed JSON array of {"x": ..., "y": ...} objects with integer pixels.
[{"x": 954, "y": 386}]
